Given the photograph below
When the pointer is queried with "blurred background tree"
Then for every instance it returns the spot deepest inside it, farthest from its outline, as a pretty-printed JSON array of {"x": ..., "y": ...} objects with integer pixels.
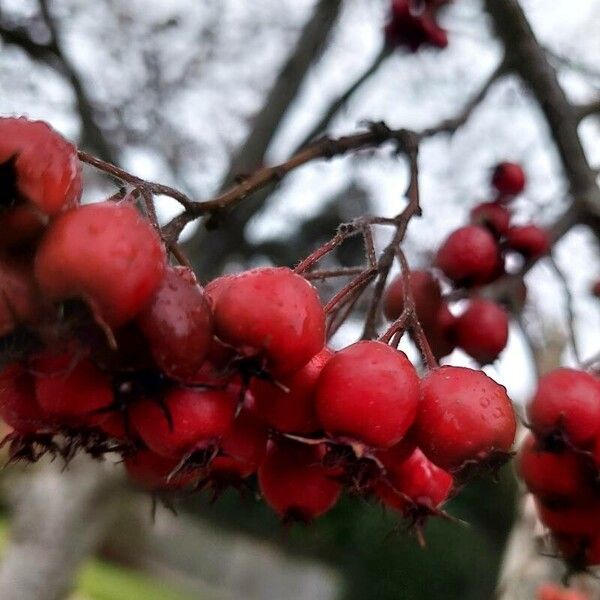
[{"x": 195, "y": 94}]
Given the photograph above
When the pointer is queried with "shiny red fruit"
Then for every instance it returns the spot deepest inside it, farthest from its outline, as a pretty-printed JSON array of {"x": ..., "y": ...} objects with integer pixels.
[
  {"x": 38, "y": 165},
  {"x": 155, "y": 472},
  {"x": 106, "y": 254},
  {"x": 441, "y": 335},
  {"x": 18, "y": 405},
  {"x": 560, "y": 477},
  {"x": 294, "y": 483},
  {"x": 529, "y": 240},
  {"x": 567, "y": 401},
  {"x": 426, "y": 293},
  {"x": 273, "y": 314},
  {"x": 492, "y": 215},
  {"x": 71, "y": 389},
  {"x": 368, "y": 392},
  {"x": 20, "y": 226},
  {"x": 464, "y": 417},
  {"x": 469, "y": 256},
  {"x": 412, "y": 483},
  {"x": 292, "y": 411},
  {"x": 508, "y": 179},
  {"x": 178, "y": 324},
  {"x": 199, "y": 419},
  {"x": 482, "y": 330}
]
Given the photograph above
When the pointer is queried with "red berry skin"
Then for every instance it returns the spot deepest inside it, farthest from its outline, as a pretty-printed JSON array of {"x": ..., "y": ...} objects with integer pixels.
[
  {"x": 47, "y": 169},
  {"x": 529, "y": 240},
  {"x": 18, "y": 405},
  {"x": 71, "y": 389},
  {"x": 413, "y": 482},
  {"x": 271, "y": 313},
  {"x": 368, "y": 392},
  {"x": 568, "y": 401},
  {"x": 482, "y": 330},
  {"x": 200, "y": 418},
  {"x": 469, "y": 256},
  {"x": 441, "y": 335},
  {"x": 550, "y": 591},
  {"x": 413, "y": 28},
  {"x": 571, "y": 520},
  {"x": 508, "y": 179},
  {"x": 492, "y": 215},
  {"x": 105, "y": 253},
  {"x": 152, "y": 472},
  {"x": 242, "y": 448},
  {"x": 19, "y": 297},
  {"x": 426, "y": 293},
  {"x": 294, "y": 483},
  {"x": 294, "y": 411},
  {"x": 464, "y": 415},
  {"x": 177, "y": 324},
  {"x": 556, "y": 478}
]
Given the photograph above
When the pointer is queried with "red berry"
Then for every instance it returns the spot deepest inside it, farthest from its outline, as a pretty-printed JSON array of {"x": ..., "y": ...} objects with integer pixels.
[
  {"x": 442, "y": 335},
  {"x": 426, "y": 293},
  {"x": 19, "y": 298},
  {"x": 242, "y": 448},
  {"x": 412, "y": 27},
  {"x": 572, "y": 520},
  {"x": 470, "y": 256},
  {"x": 18, "y": 405},
  {"x": 294, "y": 483},
  {"x": 368, "y": 392},
  {"x": 550, "y": 591},
  {"x": 482, "y": 330},
  {"x": 199, "y": 419},
  {"x": 45, "y": 168},
  {"x": 156, "y": 472},
  {"x": 71, "y": 389},
  {"x": 292, "y": 411},
  {"x": 105, "y": 253},
  {"x": 412, "y": 483},
  {"x": 554, "y": 477},
  {"x": 271, "y": 313},
  {"x": 216, "y": 287},
  {"x": 177, "y": 324},
  {"x": 492, "y": 215},
  {"x": 464, "y": 416},
  {"x": 508, "y": 179},
  {"x": 567, "y": 401},
  {"x": 529, "y": 240}
]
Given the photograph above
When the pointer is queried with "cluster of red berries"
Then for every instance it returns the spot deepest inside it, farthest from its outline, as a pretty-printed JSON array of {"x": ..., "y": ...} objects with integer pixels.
[
  {"x": 208, "y": 386},
  {"x": 472, "y": 256},
  {"x": 559, "y": 462},
  {"x": 413, "y": 23},
  {"x": 550, "y": 591}
]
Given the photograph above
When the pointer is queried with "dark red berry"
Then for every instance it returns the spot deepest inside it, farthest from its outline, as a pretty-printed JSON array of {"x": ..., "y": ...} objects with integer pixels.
[
  {"x": 178, "y": 324},
  {"x": 508, "y": 179},
  {"x": 159, "y": 473},
  {"x": 189, "y": 420},
  {"x": 464, "y": 417},
  {"x": 291, "y": 411},
  {"x": 272, "y": 314},
  {"x": 492, "y": 215},
  {"x": 470, "y": 256},
  {"x": 529, "y": 240},
  {"x": 295, "y": 484},
  {"x": 426, "y": 293},
  {"x": 18, "y": 405},
  {"x": 105, "y": 253},
  {"x": 567, "y": 401},
  {"x": 482, "y": 330},
  {"x": 368, "y": 392}
]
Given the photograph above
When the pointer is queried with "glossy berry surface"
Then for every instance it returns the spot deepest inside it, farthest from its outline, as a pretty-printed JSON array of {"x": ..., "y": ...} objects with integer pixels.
[
  {"x": 177, "y": 324},
  {"x": 529, "y": 240},
  {"x": 493, "y": 216},
  {"x": 368, "y": 392},
  {"x": 271, "y": 313},
  {"x": 426, "y": 293},
  {"x": 509, "y": 179},
  {"x": 104, "y": 253},
  {"x": 567, "y": 401},
  {"x": 464, "y": 417}
]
